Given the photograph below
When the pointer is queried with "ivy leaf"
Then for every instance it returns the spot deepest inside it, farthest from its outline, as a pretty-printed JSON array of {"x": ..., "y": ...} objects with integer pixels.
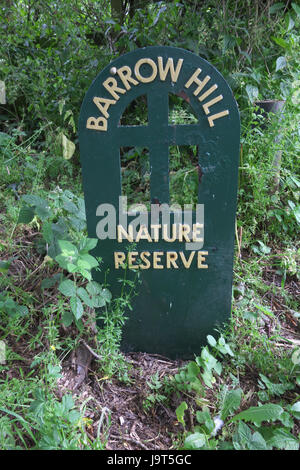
[{"x": 257, "y": 414}]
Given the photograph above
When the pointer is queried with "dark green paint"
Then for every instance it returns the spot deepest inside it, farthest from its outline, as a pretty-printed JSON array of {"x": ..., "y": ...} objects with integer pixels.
[{"x": 174, "y": 309}]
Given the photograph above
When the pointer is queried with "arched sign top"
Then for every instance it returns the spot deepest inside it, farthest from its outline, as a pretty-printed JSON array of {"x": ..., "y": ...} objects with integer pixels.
[
  {"x": 163, "y": 69},
  {"x": 184, "y": 290}
]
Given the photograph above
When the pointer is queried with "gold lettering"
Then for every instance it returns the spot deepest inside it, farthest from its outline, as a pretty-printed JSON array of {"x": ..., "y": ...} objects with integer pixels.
[
  {"x": 143, "y": 234},
  {"x": 169, "y": 67},
  {"x": 128, "y": 235},
  {"x": 208, "y": 92},
  {"x": 103, "y": 109},
  {"x": 165, "y": 233},
  {"x": 132, "y": 258},
  {"x": 111, "y": 86},
  {"x": 144, "y": 255},
  {"x": 187, "y": 263},
  {"x": 137, "y": 70},
  {"x": 215, "y": 100},
  {"x": 194, "y": 79},
  {"x": 196, "y": 229},
  {"x": 119, "y": 258},
  {"x": 171, "y": 259},
  {"x": 96, "y": 124},
  {"x": 212, "y": 118},
  {"x": 156, "y": 259},
  {"x": 201, "y": 257},
  {"x": 183, "y": 230},
  {"x": 125, "y": 75}
]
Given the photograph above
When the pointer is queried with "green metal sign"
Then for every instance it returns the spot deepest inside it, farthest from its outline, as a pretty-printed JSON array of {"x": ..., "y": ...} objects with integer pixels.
[{"x": 181, "y": 258}]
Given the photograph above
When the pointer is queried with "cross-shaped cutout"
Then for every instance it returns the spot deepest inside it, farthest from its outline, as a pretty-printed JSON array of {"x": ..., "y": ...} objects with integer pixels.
[{"x": 158, "y": 136}]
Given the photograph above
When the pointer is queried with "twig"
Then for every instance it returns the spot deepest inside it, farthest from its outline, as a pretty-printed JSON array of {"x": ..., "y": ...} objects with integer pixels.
[
  {"x": 100, "y": 358},
  {"x": 129, "y": 439}
]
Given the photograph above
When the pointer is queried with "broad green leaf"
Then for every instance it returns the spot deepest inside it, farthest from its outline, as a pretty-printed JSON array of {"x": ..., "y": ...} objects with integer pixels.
[
  {"x": 296, "y": 8},
  {"x": 47, "y": 232},
  {"x": 276, "y": 389},
  {"x": 276, "y": 7},
  {"x": 67, "y": 318},
  {"x": 258, "y": 414},
  {"x": 252, "y": 92},
  {"x": 87, "y": 245},
  {"x": 295, "y": 410},
  {"x": 281, "y": 42},
  {"x": 68, "y": 147},
  {"x": 26, "y": 215},
  {"x": 180, "y": 412},
  {"x": 211, "y": 341},
  {"x": 94, "y": 288},
  {"x": 54, "y": 371},
  {"x": 231, "y": 402},
  {"x": 257, "y": 442},
  {"x": 67, "y": 403},
  {"x": 77, "y": 223},
  {"x": 193, "y": 369},
  {"x": 195, "y": 441},
  {"x": 296, "y": 357},
  {"x": 82, "y": 264},
  {"x": 67, "y": 248},
  {"x": 85, "y": 297},
  {"x": 67, "y": 288},
  {"x": 42, "y": 212},
  {"x": 242, "y": 436},
  {"x": 89, "y": 259},
  {"x": 106, "y": 295},
  {"x": 70, "y": 206},
  {"x": 74, "y": 417},
  {"x": 48, "y": 282},
  {"x": 34, "y": 200},
  {"x": 86, "y": 274},
  {"x": 21, "y": 310},
  {"x": 76, "y": 307},
  {"x": 4, "y": 266},
  {"x": 284, "y": 440},
  {"x": 281, "y": 63}
]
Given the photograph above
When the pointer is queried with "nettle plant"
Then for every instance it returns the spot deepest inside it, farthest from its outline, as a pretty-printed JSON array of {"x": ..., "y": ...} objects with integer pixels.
[
  {"x": 78, "y": 262},
  {"x": 60, "y": 220}
]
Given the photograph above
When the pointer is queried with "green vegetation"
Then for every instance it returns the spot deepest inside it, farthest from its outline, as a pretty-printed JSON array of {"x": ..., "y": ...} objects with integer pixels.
[{"x": 242, "y": 392}]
